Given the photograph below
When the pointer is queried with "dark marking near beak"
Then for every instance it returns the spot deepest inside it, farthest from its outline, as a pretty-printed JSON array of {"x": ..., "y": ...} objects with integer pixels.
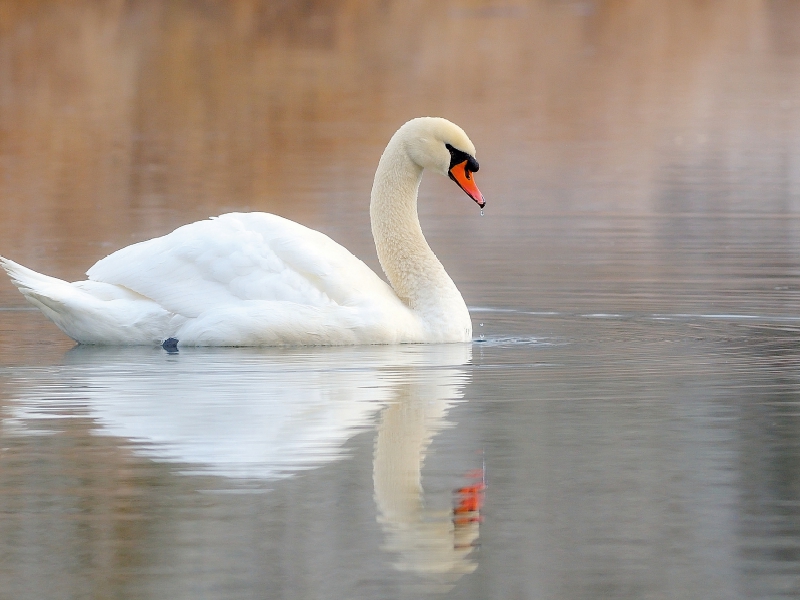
[{"x": 458, "y": 156}]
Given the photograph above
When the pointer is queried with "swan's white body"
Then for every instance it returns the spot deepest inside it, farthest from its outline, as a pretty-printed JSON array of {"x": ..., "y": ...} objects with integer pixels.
[{"x": 256, "y": 279}]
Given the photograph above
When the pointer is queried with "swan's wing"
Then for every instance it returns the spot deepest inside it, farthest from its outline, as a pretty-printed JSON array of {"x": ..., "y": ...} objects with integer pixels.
[{"x": 242, "y": 256}]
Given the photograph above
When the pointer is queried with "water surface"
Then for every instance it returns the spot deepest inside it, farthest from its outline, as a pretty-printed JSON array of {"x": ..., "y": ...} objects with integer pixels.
[{"x": 630, "y": 402}]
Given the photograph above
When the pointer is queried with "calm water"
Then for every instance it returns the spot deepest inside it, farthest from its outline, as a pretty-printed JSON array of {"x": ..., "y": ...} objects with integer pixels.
[{"x": 632, "y": 398}]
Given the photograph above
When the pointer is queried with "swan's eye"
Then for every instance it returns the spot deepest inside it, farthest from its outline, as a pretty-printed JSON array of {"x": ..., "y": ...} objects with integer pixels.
[{"x": 459, "y": 156}]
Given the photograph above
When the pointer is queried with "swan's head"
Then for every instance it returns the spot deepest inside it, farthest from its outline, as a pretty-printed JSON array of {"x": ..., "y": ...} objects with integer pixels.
[{"x": 439, "y": 145}]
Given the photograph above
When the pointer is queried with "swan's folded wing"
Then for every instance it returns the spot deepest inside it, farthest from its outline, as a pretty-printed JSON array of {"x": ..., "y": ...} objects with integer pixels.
[{"x": 237, "y": 257}]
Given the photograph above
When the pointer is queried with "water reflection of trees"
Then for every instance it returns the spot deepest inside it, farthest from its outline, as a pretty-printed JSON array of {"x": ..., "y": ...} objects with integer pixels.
[
  {"x": 765, "y": 391},
  {"x": 117, "y": 117}
]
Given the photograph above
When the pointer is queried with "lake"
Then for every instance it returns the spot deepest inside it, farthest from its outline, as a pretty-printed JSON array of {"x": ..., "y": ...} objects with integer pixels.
[{"x": 626, "y": 423}]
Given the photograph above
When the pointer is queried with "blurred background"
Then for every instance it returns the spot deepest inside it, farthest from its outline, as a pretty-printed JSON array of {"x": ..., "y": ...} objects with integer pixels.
[{"x": 633, "y": 283}]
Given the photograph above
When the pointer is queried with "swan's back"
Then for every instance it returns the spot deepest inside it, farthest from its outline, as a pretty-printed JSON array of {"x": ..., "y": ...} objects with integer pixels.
[{"x": 242, "y": 257}]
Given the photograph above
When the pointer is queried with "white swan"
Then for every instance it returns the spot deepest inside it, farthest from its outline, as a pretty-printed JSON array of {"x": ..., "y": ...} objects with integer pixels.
[{"x": 256, "y": 279}]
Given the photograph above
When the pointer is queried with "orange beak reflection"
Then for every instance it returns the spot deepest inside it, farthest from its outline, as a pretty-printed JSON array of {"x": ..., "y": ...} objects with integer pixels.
[{"x": 463, "y": 177}]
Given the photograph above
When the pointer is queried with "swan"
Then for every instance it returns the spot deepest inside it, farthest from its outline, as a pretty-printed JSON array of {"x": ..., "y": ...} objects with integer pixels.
[{"x": 257, "y": 279}]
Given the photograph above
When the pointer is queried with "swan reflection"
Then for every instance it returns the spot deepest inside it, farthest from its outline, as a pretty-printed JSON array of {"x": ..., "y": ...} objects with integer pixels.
[
  {"x": 427, "y": 541},
  {"x": 264, "y": 414}
]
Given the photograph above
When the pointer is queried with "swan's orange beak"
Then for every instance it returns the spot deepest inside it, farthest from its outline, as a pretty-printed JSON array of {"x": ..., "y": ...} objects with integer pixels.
[{"x": 463, "y": 177}]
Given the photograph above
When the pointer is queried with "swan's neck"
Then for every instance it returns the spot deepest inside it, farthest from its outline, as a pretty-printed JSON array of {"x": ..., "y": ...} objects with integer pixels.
[{"x": 416, "y": 275}]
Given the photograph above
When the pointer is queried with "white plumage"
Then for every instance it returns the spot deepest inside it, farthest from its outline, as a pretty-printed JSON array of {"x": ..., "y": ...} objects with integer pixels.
[{"x": 256, "y": 279}]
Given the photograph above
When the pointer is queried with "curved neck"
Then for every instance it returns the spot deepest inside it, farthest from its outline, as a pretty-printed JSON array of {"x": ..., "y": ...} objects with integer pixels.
[{"x": 416, "y": 275}]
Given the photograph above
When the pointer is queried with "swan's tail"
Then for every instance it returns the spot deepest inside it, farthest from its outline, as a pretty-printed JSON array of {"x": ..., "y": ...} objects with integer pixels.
[
  {"x": 48, "y": 294},
  {"x": 91, "y": 312},
  {"x": 29, "y": 282}
]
